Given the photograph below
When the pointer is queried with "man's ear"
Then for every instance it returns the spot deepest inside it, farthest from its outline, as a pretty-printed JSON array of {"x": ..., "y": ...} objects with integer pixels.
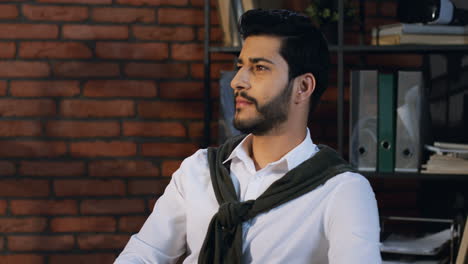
[{"x": 304, "y": 88}]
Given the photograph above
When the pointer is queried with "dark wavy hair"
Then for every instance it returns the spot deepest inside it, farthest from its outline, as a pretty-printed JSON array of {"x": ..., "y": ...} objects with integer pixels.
[{"x": 303, "y": 46}]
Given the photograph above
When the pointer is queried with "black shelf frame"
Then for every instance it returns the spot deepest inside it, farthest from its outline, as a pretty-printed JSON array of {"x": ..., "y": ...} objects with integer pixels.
[
  {"x": 340, "y": 50},
  {"x": 421, "y": 49},
  {"x": 414, "y": 175}
]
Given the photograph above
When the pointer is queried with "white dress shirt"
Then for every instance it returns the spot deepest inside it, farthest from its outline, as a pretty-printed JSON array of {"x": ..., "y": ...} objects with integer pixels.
[{"x": 336, "y": 223}]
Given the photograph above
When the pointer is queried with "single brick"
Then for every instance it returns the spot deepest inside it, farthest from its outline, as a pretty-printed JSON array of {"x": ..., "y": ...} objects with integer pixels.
[
  {"x": 162, "y": 33},
  {"x": 94, "y": 32},
  {"x": 28, "y": 107},
  {"x": 103, "y": 149},
  {"x": 52, "y": 168},
  {"x": 124, "y": 15},
  {"x": 123, "y": 168},
  {"x": 153, "y": 129},
  {"x": 181, "y": 90},
  {"x": 40, "y": 243},
  {"x": 8, "y": 11},
  {"x": 55, "y": 13},
  {"x": 147, "y": 187},
  {"x": 54, "y": 50},
  {"x": 188, "y": 110},
  {"x": 44, "y": 88},
  {"x": 178, "y": 150},
  {"x": 32, "y": 149},
  {"x": 186, "y": 16},
  {"x": 89, "y": 187},
  {"x": 22, "y": 258},
  {"x": 44, "y": 207},
  {"x": 18, "y": 225},
  {"x": 120, "y": 88},
  {"x": 156, "y": 70},
  {"x": 86, "y": 69},
  {"x": 96, "y": 108},
  {"x": 18, "y": 69},
  {"x": 113, "y": 206},
  {"x": 132, "y": 51},
  {"x": 83, "y": 224},
  {"x": 82, "y": 129},
  {"x": 24, "y": 188},
  {"x": 18, "y": 128},
  {"x": 28, "y": 31}
]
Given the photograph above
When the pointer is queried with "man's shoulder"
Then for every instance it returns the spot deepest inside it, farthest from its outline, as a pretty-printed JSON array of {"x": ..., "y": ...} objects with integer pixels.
[
  {"x": 348, "y": 178},
  {"x": 197, "y": 159}
]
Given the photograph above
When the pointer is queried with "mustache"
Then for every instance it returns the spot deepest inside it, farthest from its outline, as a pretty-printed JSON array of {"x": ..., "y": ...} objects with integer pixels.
[{"x": 245, "y": 96}]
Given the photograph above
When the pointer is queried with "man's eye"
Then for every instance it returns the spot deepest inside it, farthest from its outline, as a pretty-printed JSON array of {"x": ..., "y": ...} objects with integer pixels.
[{"x": 260, "y": 68}]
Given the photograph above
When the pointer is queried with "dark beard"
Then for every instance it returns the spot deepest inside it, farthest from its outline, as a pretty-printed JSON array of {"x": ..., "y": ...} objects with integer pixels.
[{"x": 271, "y": 114}]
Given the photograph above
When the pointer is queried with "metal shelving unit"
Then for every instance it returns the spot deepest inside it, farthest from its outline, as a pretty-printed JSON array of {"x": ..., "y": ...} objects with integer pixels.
[{"x": 340, "y": 49}]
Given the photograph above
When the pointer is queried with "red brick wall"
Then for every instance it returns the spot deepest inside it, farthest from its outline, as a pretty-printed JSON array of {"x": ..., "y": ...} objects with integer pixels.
[{"x": 100, "y": 100}]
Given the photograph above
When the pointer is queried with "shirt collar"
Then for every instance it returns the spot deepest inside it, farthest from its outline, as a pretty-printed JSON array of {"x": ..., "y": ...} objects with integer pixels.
[{"x": 305, "y": 150}]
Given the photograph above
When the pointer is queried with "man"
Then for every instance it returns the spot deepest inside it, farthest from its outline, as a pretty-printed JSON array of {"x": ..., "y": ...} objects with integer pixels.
[{"x": 272, "y": 196}]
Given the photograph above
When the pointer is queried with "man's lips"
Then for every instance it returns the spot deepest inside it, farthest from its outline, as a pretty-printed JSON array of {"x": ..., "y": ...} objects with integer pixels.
[{"x": 242, "y": 102}]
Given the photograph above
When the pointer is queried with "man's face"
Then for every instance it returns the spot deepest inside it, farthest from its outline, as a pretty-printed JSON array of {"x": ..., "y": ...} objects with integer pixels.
[{"x": 261, "y": 88}]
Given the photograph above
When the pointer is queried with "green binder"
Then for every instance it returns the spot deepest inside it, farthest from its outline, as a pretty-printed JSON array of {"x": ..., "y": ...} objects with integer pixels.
[{"x": 386, "y": 123}]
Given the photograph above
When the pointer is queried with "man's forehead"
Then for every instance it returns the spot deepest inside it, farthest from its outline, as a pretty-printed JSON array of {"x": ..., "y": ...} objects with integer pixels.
[{"x": 260, "y": 48}]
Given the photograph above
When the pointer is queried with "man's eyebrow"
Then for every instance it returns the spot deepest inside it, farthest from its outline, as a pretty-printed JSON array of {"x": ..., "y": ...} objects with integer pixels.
[{"x": 255, "y": 60}]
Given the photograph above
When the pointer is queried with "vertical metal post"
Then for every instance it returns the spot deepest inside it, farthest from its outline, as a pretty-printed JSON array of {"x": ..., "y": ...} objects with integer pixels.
[
  {"x": 340, "y": 100},
  {"x": 207, "y": 78}
]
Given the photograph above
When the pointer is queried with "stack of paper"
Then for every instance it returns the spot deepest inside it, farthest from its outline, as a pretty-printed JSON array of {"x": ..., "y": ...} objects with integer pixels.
[
  {"x": 448, "y": 158},
  {"x": 428, "y": 245},
  {"x": 422, "y": 250}
]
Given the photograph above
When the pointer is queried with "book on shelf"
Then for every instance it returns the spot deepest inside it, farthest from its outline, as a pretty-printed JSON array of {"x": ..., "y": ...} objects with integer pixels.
[
  {"x": 417, "y": 33},
  {"x": 418, "y": 28},
  {"x": 448, "y": 158},
  {"x": 229, "y": 13}
]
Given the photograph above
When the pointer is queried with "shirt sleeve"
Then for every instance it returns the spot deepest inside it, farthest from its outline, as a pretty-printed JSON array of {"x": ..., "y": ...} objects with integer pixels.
[
  {"x": 352, "y": 224},
  {"x": 162, "y": 239}
]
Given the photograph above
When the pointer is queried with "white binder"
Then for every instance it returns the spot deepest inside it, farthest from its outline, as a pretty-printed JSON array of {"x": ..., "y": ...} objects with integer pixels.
[
  {"x": 409, "y": 140},
  {"x": 363, "y": 120}
]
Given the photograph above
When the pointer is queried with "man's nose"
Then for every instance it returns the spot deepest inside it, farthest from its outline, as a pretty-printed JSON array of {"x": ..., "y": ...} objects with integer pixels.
[{"x": 240, "y": 80}]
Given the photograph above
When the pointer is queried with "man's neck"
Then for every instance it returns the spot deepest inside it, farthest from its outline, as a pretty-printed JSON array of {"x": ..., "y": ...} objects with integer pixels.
[{"x": 271, "y": 147}]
